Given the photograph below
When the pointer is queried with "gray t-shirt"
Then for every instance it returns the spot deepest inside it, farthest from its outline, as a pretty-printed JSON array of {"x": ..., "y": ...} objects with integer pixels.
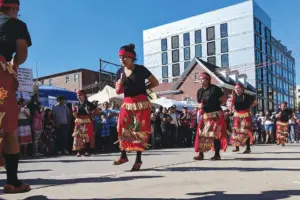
[{"x": 61, "y": 114}]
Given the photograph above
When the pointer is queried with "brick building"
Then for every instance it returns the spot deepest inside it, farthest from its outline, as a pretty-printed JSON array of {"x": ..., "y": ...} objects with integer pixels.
[
  {"x": 187, "y": 85},
  {"x": 79, "y": 79}
]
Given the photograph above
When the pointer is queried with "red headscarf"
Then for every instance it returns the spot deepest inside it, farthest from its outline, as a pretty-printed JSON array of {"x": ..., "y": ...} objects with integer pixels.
[
  {"x": 239, "y": 85},
  {"x": 125, "y": 53},
  {"x": 205, "y": 76},
  {"x": 81, "y": 93},
  {"x": 10, "y": 4}
]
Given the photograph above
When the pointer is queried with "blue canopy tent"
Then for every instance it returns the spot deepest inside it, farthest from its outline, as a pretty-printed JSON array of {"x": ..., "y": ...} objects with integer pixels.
[{"x": 46, "y": 91}]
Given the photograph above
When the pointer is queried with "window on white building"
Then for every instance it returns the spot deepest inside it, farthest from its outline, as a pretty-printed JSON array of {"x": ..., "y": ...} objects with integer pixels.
[
  {"x": 211, "y": 48},
  {"x": 165, "y": 80},
  {"x": 224, "y": 45},
  {"x": 211, "y": 60},
  {"x": 187, "y": 55},
  {"x": 175, "y": 70},
  {"x": 165, "y": 72},
  {"x": 186, "y": 39},
  {"x": 175, "y": 42},
  {"x": 186, "y": 64},
  {"x": 175, "y": 56},
  {"x": 224, "y": 60},
  {"x": 164, "y": 44},
  {"x": 164, "y": 58},
  {"x": 50, "y": 82},
  {"x": 198, "y": 50},
  {"x": 224, "y": 30},
  {"x": 210, "y": 33},
  {"x": 198, "y": 38}
]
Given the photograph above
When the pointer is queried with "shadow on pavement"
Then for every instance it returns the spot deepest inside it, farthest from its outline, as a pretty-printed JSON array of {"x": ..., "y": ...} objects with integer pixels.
[
  {"x": 242, "y": 169},
  {"x": 55, "y": 182},
  {"x": 214, "y": 195},
  {"x": 28, "y": 171},
  {"x": 266, "y": 159},
  {"x": 61, "y": 161},
  {"x": 162, "y": 153}
]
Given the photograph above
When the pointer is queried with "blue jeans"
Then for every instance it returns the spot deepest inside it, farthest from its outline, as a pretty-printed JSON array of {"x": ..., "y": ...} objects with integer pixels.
[{"x": 292, "y": 132}]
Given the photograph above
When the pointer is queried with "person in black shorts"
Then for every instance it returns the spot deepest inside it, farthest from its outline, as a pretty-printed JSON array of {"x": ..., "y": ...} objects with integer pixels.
[{"x": 14, "y": 40}]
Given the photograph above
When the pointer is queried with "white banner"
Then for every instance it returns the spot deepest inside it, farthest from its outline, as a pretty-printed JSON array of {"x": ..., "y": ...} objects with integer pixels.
[
  {"x": 23, "y": 95},
  {"x": 25, "y": 79},
  {"x": 52, "y": 101}
]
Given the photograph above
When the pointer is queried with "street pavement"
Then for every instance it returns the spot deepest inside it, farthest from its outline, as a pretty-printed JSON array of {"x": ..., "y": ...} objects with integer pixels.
[{"x": 270, "y": 172}]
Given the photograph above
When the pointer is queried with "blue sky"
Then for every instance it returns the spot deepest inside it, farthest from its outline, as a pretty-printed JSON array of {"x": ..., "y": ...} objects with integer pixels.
[{"x": 97, "y": 28}]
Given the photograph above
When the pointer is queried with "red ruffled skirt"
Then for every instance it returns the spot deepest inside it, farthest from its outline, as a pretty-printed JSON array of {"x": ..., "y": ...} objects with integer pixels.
[
  {"x": 134, "y": 125},
  {"x": 282, "y": 132},
  {"x": 242, "y": 128},
  {"x": 211, "y": 126}
]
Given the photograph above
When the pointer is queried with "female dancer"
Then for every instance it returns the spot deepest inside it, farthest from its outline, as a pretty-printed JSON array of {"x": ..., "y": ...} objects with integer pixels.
[
  {"x": 14, "y": 43},
  {"x": 84, "y": 138},
  {"x": 134, "y": 126}
]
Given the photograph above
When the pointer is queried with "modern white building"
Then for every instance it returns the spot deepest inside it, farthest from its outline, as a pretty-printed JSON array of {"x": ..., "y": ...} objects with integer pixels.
[
  {"x": 297, "y": 93},
  {"x": 238, "y": 37}
]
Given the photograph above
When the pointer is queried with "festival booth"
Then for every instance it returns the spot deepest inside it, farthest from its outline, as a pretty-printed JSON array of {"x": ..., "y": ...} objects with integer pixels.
[
  {"x": 108, "y": 94},
  {"x": 165, "y": 102},
  {"x": 49, "y": 94}
]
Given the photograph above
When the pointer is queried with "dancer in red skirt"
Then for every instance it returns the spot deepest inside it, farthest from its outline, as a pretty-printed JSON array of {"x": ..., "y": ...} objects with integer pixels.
[
  {"x": 282, "y": 124},
  {"x": 134, "y": 125},
  {"x": 242, "y": 120},
  {"x": 84, "y": 138},
  {"x": 211, "y": 131},
  {"x": 14, "y": 39}
]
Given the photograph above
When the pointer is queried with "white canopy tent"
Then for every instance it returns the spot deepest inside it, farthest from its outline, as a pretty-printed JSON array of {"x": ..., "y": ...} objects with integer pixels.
[
  {"x": 165, "y": 102},
  {"x": 107, "y": 94}
]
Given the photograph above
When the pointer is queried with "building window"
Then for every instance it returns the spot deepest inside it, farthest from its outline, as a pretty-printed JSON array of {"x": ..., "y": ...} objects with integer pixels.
[
  {"x": 186, "y": 39},
  {"x": 187, "y": 55},
  {"x": 165, "y": 71},
  {"x": 76, "y": 77},
  {"x": 165, "y": 80},
  {"x": 164, "y": 44},
  {"x": 224, "y": 45},
  {"x": 211, "y": 60},
  {"x": 257, "y": 26},
  {"x": 274, "y": 82},
  {"x": 260, "y": 105},
  {"x": 260, "y": 89},
  {"x": 270, "y": 92},
  {"x": 198, "y": 50},
  {"x": 50, "y": 82},
  {"x": 175, "y": 42},
  {"x": 269, "y": 64},
  {"x": 67, "y": 79},
  {"x": 175, "y": 79},
  {"x": 269, "y": 77},
  {"x": 268, "y": 49},
  {"x": 257, "y": 41},
  {"x": 210, "y": 33},
  {"x": 259, "y": 73},
  {"x": 270, "y": 105},
  {"x": 268, "y": 34},
  {"x": 224, "y": 60},
  {"x": 186, "y": 64},
  {"x": 175, "y": 70},
  {"x": 224, "y": 31},
  {"x": 175, "y": 56},
  {"x": 211, "y": 48},
  {"x": 196, "y": 77},
  {"x": 198, "y": 38},
  {"x": 257, "y": 58},
  {"x": 164, "y": 58}
]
